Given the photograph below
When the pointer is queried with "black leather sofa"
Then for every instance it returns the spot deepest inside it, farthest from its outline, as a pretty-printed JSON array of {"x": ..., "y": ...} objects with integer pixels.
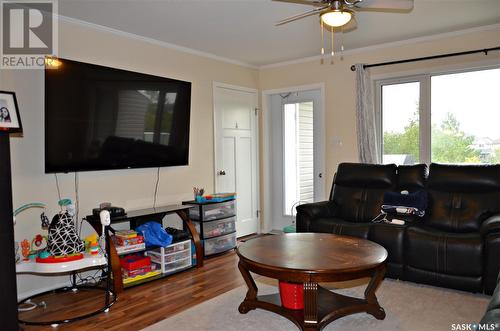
[{"x": 456, "y": 244}]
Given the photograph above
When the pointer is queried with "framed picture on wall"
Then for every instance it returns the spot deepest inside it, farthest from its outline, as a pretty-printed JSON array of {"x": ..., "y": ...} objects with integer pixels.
[{"x": 10, "y": 121}]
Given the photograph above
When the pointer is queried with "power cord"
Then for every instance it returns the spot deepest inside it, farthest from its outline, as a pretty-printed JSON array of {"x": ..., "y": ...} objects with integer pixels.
[
  {"x": 58, "y": 189},
  {"x": 156, "y": 187},
  {"x": 77, "y": 200}
]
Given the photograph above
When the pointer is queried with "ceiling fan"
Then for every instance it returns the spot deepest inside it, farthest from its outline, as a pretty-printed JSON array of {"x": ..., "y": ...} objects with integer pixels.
[{"x": 337, "y": 13}]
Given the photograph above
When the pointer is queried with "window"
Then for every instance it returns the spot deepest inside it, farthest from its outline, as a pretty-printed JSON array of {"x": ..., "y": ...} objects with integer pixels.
[
  {"x": 400, "y": 123},
  {"x": 298, "y": 145},
  {"x": 446, "y": 118}
]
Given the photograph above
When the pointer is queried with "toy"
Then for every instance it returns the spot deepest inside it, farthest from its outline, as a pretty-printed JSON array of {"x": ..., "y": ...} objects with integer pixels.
[
  {"x": 36, "y": 247},
  {"x": 63, "y": 238},
  {"x": 28, "y": 206},
  {"x": 44, "y": 255},
  {"x": 25, "y": 249},
  {"x": 94, "y": 248},
  {"x": 60, "y": 259},
  {"x": 105, "y": 217}
]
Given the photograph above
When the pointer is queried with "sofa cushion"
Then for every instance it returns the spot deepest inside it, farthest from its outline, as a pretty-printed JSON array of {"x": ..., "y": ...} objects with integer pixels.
[
  {"x": 462, "y": 197},
  {"x": 362, "y": 175},
  {"x": 340, "y": 227},
  {"x": 458, "y": 211},
  {"x": 412, "y": 178},
  {"x": 468, "y": 178},
  {"x": 443, "y": 252},
  {"x": 358, "y": 190},
  {"x": 358, "y": 205},
  {"x": 391, "y": 237},
  {"x": 464, "y": 283}
]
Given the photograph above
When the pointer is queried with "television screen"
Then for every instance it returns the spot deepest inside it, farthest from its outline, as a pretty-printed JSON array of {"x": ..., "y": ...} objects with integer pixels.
[{"x": 99, "y": 118}]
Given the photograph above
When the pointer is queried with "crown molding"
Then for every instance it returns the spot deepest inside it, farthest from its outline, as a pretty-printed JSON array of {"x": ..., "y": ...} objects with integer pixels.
[
  {"x": 393, "y": 44},
  {"x": 154, "y": 41},
  {"x": 278, "y": 64}
]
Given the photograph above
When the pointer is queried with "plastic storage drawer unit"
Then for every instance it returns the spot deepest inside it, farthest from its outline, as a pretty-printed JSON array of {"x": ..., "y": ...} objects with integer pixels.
[
  {"x": 172, "y": 258},
  {"x": 220, "y": 244},
  {"x": 213, "y": 211},
  {"x": 217, "y": 228}
]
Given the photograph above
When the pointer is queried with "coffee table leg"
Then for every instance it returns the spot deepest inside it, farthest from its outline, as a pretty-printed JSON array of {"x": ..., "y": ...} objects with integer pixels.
[
  {"x": 375, "y": 310},
  {"x": 310, "y": 306},
  {"x": 252, "y": 289}
]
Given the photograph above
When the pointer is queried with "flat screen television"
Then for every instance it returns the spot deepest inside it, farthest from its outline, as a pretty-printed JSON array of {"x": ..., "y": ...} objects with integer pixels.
[{"x": 99, "y": 118}]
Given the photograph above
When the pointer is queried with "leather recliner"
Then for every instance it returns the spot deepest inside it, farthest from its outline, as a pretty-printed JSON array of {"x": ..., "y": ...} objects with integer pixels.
[{"x": 454, "y": 245}]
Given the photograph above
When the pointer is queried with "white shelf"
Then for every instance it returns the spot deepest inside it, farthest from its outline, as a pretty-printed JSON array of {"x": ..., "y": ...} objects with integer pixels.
[{"x": 88, "y": 261}]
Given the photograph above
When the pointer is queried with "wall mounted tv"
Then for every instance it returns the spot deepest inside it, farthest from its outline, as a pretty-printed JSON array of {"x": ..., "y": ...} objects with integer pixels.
[{"x": 99, "y": 118}]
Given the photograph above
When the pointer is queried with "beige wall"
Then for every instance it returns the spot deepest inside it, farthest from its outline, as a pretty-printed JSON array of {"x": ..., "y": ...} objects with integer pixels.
[
  {"x": 340, "y": 86},
  {"x": 134, "y": 188},
  {"x": 127, "y": 188}
]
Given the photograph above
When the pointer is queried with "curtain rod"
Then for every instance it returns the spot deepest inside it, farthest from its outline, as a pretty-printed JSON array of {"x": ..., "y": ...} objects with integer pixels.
[{"x": 485, "y": 51}]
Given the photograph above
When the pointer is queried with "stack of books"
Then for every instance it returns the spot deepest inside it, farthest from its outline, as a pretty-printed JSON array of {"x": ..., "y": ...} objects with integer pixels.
[
  {"x": 128, "y": 241},
  {"x": 136, "y": 268}
]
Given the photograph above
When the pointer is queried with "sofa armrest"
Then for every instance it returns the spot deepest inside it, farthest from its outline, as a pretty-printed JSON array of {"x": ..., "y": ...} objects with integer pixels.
[
  {"x": 307, "y": 213},
  {"x": 491, "y": 225}
]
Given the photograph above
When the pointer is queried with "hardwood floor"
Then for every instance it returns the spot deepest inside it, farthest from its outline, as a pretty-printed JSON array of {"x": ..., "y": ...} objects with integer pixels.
[{"x": 150, "y": 303}]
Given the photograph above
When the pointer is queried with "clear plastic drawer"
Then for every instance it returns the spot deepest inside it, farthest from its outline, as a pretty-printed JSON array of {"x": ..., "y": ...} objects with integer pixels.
[
  {"x": 180, "y": 246},
  {"x": 219, "y": 227},
  {"x": 213, "y": 211},
  {"x": 220, "y": 244},
  {"x": 172, "y": 258}
]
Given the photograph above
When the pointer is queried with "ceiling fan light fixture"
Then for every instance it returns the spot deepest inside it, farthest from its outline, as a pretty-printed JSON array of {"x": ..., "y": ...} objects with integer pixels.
[{"x": 336, "y": 18}]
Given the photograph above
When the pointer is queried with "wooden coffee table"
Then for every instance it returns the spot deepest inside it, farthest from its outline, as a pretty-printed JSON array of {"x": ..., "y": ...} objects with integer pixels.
[{"x": 310, "y": 258}]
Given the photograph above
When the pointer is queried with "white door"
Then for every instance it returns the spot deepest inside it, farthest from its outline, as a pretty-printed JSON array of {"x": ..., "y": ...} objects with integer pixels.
[
  {"x": 235, "y": 116},
  {"x": 297, "y": 153}
]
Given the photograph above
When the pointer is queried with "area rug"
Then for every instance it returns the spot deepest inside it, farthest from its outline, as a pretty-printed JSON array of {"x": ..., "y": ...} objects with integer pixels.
[{"x": 409, "y": 307}]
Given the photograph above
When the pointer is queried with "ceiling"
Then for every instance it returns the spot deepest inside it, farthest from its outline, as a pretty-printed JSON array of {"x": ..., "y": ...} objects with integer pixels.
[{"x": 243, "y": 30}]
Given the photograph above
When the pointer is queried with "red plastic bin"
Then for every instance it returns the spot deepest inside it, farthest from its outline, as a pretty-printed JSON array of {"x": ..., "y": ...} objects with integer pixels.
[
  {"x": 292, "y": 295},
  {"x": 133, "y": 262}
]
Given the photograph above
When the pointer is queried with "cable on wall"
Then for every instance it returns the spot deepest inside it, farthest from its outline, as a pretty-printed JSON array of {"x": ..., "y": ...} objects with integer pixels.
[
  {"x": 58, "y": 189},
  {"x": 77, "y": 200},
  {"x": 156, "y": 186}
]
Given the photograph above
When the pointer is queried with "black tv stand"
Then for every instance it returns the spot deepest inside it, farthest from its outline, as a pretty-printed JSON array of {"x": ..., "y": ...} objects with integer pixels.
[{"x": 138, "y": 217}]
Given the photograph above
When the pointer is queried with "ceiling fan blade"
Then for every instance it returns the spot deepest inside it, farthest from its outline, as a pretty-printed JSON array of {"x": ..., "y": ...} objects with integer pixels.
[
  {"x": 385, "y": 4},
  {"x": 299, "y": 16},
  {"x": 316, "y": 3}
]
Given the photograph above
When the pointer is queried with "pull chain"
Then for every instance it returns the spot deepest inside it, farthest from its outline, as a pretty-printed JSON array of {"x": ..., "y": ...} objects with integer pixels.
[
  {"x": 342, "y": 43},
  {"x": 322, "y": 39},
  {"x": 333, "y": 49}
]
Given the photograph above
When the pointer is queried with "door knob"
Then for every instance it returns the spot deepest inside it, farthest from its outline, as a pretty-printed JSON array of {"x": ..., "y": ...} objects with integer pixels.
[
  {"x": 320, "y": 175},
  {"x": 221, "y": 172}
]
